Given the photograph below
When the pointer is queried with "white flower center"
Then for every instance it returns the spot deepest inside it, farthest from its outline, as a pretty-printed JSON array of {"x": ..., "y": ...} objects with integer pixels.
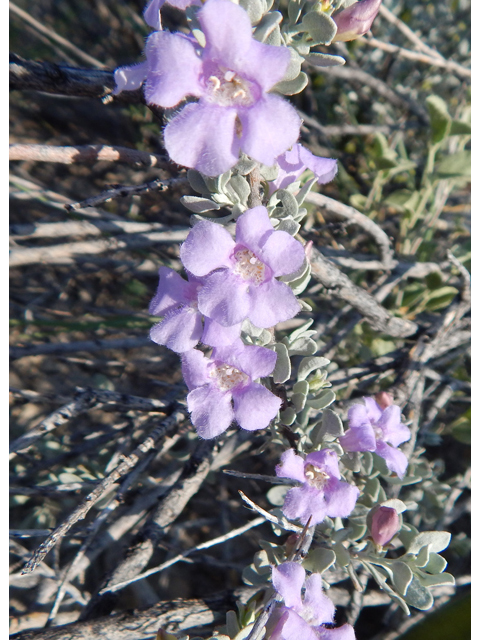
[
  {"x": 228, "y": 377},
  {"x": 227, "y": 89},
  {"x": 379, "y": 435},
  {"x": 316, "y": 477},
  {"x": 249, "y": 267}
]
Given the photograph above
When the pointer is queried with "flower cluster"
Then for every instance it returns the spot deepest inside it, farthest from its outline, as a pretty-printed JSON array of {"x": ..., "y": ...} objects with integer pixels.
[{"x": 303, "y": 617}]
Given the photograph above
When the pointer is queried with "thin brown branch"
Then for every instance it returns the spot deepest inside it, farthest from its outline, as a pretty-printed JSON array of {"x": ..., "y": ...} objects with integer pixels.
[
  {"x": 88, "y": 153},
  {"x": 58, "y": 348}
]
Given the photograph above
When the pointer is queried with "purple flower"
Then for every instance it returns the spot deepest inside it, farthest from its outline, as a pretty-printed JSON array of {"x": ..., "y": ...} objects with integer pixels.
[
  {"x": 294, "y": 162},
  {"x": 304, "y": 618},
  {"x": 384, "y": 523},
  {"x": 355, "y": 20},
  {"x": 231, "y": 78},
  {"x": 371, "y": 428},
  {"x": 152, "y": 10},
  {"x": 228, "y": 375},
  {"x": 322, "y": 492},
  {"x": 239, "y": 276},
  {"x": 181, "y": 328}
]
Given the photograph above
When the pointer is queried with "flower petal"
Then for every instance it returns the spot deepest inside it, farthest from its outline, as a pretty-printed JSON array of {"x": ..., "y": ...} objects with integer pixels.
[
  {"x": 359, "y": 439},
  {"x": 395, "y": 432},
  {"x": 269, "y": 128},
  {"x": 358, "y": 416},
  {"x": 172, "y": 290},
  {"x": 174, "y": 69},
  {"x": 215, "y": 335},
  {"x": 341, "y": 498},
  {"x": 326, "y": 459},
  {"x": 208, "y": 246},
  {"x": 224, "y": 298},
  {"x": 396, "y": 460},
  {"x": 202, "y": 136},
  {"x": 291, "y": 466},
  {"x": 253, "y": 229},
  {"x": 180, "y": 330},
  {"x": 151, "y": 13},
  {"x": 303, "y": 502},
  {"x": 282, "y": 253},
  {"x": 254, "y": 406},
  {"x": 211, "y": 411},
  {"x": 288, "y": 579},
  {"x": 272, "y": 302},
  {"x": 195, "y": 369},
  {"x": 374, "y": 412},
  {"x": 317, "y": 605},
  {"x": 292, "y": 627},
  {"x": 265, "y": 64},
  {"x": 325, "y": 169},
  {"x": 129, "y": 78},
  {"x": 256, "y": 362}
]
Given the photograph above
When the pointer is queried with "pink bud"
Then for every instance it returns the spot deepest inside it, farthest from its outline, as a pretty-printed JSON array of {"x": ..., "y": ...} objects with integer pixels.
[
  {"x": 356, "y": 20},
  {"x": 384, "y": 399},
  {"x": 384, "y": 525}
]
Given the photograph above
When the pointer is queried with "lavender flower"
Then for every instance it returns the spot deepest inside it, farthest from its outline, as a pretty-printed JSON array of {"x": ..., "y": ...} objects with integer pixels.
[
  {"x": 231, "y": 78},
  {"x": 294, "y": 162},
  {"x": 181, "y": 328},
  {"x": 322, "y": 492},
  {"x": 374, "y": 429},
  {"x": 355, "y": 20},
  {"x": 152, "y": 10},
  {"x": 303, "y": 618},
  {"x": 239, "y": 276},
  {"x": 384, "y": 523},
  {"x": 228, "y": 375}
]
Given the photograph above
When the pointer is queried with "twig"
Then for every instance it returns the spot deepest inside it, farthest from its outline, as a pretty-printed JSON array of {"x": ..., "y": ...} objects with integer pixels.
[
  {"x": 204, "y": 545},
  {"x": 67, "y": 81},
  {"x": 50, "y": 33},
  {"x": 258, "y": 476},
  {"x": 407, "y": 54},
  {"x": 124, "y": 467},
  {"x": 352, "y": 215},
  {"x": 72, "y": 251},
  {"x": 377, "y": 316},
  {"x": 284, "y": 524},
  {"x": 254, "y": 180},
  {"x": 172, "y": 504},
  {"x": 52, "y": 348},
  {"x": 88, "y": 153},
  {"x": 122, "y": 191}
]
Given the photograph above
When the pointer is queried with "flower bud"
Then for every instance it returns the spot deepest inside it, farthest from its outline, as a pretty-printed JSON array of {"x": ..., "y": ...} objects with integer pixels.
[
  {"x": 355, "y": 20},
  {"x": 384, "y": 524},
  {"x": 384, "y": 399}
]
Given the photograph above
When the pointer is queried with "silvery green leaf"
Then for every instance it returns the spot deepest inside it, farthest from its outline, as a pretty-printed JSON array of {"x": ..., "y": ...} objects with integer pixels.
[
  {"x": 239, "y": 186},
  {"x": 438, "y": 541},
  {"x": 331, "y": 424},
  {"x": 276, "y": 496},
  {"x": 299, "y": 273},
  {"x": 320, "y": 27},
  {"x": 304, "y": 191},
  {"x": 435, "y": 564},
  {"x": 402, "y": 576},
  {"x": 243, "y": 634},
  {"x": 302, "y": 212},
  {"x": 223, "y": 221},
  {"x": 352, "y": 461},
  {"x": 299, "y": 400},
  {"x": 251, "y": 577},
  {"x": 366, "y": 462},
  {"x": 289, "y": 225},
  {"x": 319, "y": 560},
  {"x": 294, "y": 66},
  {"x": 357, "y": 530},
  {"x": 251, "y": 329},
  {"x": 245, "y": 165},
  {"x": 292, "y": 87},
  {"x": 323, "y": 400},
  {"x": 232, "y": 624},
  {"x": 395, "y": 503},
  {"x": 305, "y": 306},
  {"x": 300, "y": 331},
  {"x": 440, "y": 120},
  {"x": 294, "y": 10},
  {"x": 237, "y": 210},
  {"x": 198, "y": 205},
  {"x": 254, "y": 8},
  {"x": 456, "y": 165},
  {"x": 422, "y": 556},
  {"x": 303, "y": 346},
  {"x": 372, "y": 488},
  {"x": 283, "y": 367},
  {"x": 335, "y": 446},
  {"x": 268, "y": 173},
  {"x": 385, "y": 587},
  {"x": 215, "y": 185},
  {"x": 324, "y": 60},
  {"x": 307, "y": 365},
  {"x": 441, "y": 579},
  {"x": 418, "y": 596},
  {"x": 267, "y": 25},
  {"x": 342, "y": 557},
  {"x": 380, "y": 465},
  {"x": 197, "y": 182},
  {"x": 293, "y": 187},
  {"x": 460, "y": 128},
  {"x": 289, "y": 204},
  {"x": 222, "y": 199},
  {"x": 288, "y": 416},
  {"x": 301, "y": 386},
  {"x": 274, "y": 38},
  {"x": 403, "y": 481}
]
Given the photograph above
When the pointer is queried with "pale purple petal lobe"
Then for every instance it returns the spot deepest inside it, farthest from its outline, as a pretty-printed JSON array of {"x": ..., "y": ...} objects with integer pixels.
[
  {"x": 225, "y": 298},
  {"x": 271, "y": 303},
  {"x": 207, "y": 247},
  {"x": 283, "y": 254},
  {"x": 316, "y": 604},
  {"x": 288, "y": 579},
  {"x": 254, "y": 406},
  {"x": 195, "y": 369},
  {"x": 291, "y": 466},
  {"x": 359, "y": 439},
  {"x": 211, "y": 411},
  {"x": 253, "y": 229},
  {"x": 180, "y": 330},
  {"x": 396, "y": 460},
  {"x": 129, "y": 78}
]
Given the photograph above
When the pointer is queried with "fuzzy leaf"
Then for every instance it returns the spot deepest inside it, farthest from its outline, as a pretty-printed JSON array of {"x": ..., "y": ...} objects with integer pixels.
[
  {"x": 440, "y": 120},
  {"x": 439, "y": 540},
  {"x": 418, "y": 596},
  {"x": 320, "y": 27},
  {"x": 307, "y": 365},
  {"x": 292, "y": 87},
  {"x": 283, "y": 367},
  {"x": 402, "y": 577},
  {"x": 319, "y": 560},
  {"x": 323, "y": 400},
  {"x": 456, "y": 165},
  {"x": 199, "y": 205},
  {"x": 324, "y": 60},
  {"x": 267, "y": 25}
]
